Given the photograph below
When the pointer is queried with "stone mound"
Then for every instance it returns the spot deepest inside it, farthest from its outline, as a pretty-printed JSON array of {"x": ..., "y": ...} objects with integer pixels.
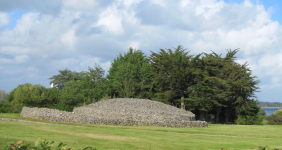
[
  {"x": 140, "y": 110},
  {"x": 121, "y": 111}
]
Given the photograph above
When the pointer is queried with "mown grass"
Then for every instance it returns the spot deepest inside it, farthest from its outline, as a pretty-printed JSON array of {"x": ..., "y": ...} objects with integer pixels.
[{"x": 135, "y": 137}]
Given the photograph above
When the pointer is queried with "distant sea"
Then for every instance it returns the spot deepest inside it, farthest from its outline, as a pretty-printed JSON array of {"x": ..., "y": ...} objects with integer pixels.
[{"x": 270, "y": 111}]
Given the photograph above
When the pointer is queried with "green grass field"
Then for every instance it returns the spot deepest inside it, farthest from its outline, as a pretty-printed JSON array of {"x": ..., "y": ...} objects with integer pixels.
[{"x": 105, "y": 137}]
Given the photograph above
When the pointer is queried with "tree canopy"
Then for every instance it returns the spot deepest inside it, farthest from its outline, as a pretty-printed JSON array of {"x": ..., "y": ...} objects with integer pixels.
[{"x": 212, "y": 86}]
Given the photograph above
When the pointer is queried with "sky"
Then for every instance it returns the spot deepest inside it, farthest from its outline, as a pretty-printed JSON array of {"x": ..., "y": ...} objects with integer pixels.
[{"x": 39, "y": 37}]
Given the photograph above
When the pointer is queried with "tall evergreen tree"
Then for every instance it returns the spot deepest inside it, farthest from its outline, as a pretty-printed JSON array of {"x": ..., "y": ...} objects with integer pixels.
[
  {"x": 171, "y": 73},
  {"x": 129, "y": 75}
]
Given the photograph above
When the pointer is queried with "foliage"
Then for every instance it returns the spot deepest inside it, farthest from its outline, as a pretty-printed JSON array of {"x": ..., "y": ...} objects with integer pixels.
[
  {"x": 267, "y": 148},
  {"x": 262, "y": 112},
  {"x": 171, "y": 75},
  {"x": 130, "y": 75},
  {"x": 274, "y": 119},
  {"x": 63, "y": 77},
  {"x": 206, "y": 84},
  {"x": 250, "y": 120},
  {"x": 88, "y": 90},
  {"x": 278, "y": 112},
  {"x": 33, "y": 96},
  {"x": 6, "y": 107},
  {"x": 40, "y": 145}
]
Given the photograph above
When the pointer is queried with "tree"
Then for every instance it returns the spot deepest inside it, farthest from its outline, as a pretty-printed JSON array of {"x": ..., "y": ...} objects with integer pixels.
[
  {"x": 50, "y": 97},
  {"x": 129, "y": 75},
  {"x": 71, "y": 96},
  {"x": 90, "y": 88},
  {"x": 171, "y": 73},
  {"x": 3, "y": 95},
  {"x": 262, "y": 112},
  {"x": 28, "y": 95},
  {"x": 63, "y": 77},
  {"x": 210, "y": 89}
]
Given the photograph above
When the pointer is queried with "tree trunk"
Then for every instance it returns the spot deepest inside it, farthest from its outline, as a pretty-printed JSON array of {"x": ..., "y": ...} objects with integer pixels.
[
  {"x": 182, "y": 101},
  {"x": 84, "y": 102},
  {"x": 227, "y": 114},
  {"x": 206, "y": 116},
  {"x": 114, "y": 96},
  {"x": 202, "y": 116},
  {"x": 216, "y": 115}
]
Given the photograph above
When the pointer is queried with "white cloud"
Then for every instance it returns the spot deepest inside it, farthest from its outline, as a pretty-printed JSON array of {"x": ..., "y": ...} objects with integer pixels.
[
  {"x": 78, "y": 34},
  {"x": 159, "y": 2},
  {"x": 16, "y": 60},
  {"x": 110, "y": 20},
  {"x": 208, "y": 8},
  {"x": 69, "y": 38},
  {"x": 79, "y": 5},
  {"x": 4, "y": 19}
]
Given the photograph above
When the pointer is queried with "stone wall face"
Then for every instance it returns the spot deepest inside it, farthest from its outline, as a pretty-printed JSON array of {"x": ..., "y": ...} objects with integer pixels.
[{"x": 125, "y": 112}]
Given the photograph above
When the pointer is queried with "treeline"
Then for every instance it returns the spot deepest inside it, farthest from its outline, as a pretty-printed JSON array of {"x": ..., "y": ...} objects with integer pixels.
[
  {"x": 209, "y": 85},
  {"x": 269, "y": 104}
]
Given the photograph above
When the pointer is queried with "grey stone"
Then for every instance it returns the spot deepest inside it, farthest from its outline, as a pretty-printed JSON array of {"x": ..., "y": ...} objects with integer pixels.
[{"x": 120, "y": 111}]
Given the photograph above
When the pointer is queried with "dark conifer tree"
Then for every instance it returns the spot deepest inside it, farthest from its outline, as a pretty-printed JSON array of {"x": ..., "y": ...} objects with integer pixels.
[
  {"x": 130, "y": 75},
  {"x": 171, "y": 73}
]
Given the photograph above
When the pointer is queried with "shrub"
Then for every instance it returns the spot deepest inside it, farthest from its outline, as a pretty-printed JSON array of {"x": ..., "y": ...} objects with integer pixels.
[
  {"x": 40, "y": 145},
  {"x": 274, "y": 119},
  {"x": 278, "y": 112},
  {"x": 267, "y": 148},
  {"x": 6, "y": 107},
  {"x": 250, "y": 120}
]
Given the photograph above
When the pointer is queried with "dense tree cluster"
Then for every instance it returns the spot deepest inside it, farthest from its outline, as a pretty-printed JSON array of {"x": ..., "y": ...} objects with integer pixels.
[
  {"x": 209, "y": 85},
  {"x": 270, "y": 104}
]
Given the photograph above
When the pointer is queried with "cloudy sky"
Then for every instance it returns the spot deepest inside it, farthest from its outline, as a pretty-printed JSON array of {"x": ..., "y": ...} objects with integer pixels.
[{"x": 39, "y": 37}]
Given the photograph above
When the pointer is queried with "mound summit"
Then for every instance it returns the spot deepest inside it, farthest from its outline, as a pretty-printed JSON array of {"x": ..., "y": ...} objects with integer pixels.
[{"x": 120, "y": 111}]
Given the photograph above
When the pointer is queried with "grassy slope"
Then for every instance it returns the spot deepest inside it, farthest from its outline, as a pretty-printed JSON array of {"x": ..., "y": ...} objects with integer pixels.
[{"x": 122, "y": 137}]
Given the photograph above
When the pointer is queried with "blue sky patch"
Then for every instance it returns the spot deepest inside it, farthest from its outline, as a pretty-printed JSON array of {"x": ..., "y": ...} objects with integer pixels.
[{"x": 14, "y": 17}]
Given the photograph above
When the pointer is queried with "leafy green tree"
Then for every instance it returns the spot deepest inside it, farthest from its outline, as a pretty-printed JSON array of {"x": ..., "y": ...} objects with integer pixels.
[
  {"x": 63, "y": 77},
  {"x": 50, "y": 98},
  {"x": 90, "y": 88},
  {"x": 28, "y": 95},
  {"x": 278, "y": 112},
  {"x": 129, "y": 75},
  {"x": 262, "y": 112},
  {"x": 210, "y": 89},
  {"x": 171, "y": 75},
  {"x": 94, "y": 83},
  {"x": 71, "y": 96}
]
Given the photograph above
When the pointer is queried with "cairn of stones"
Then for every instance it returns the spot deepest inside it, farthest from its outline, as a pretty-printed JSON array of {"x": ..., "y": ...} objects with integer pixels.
[{"x": 120, "y": 111}]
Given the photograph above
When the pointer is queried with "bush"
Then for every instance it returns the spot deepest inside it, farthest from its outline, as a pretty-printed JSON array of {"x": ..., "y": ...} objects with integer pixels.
[
  {"x": 274, "y": 119},
  {"x": 40, "y": 145},
  {"x": 6, "y": 107},
  {"x": 250, "y": 120},
  {"x": 278, "y": 112},
  {"x": 267, "y": 148}
]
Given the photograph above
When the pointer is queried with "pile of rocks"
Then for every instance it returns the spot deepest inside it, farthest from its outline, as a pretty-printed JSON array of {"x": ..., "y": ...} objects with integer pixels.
[{"x": 121, "y": 111}]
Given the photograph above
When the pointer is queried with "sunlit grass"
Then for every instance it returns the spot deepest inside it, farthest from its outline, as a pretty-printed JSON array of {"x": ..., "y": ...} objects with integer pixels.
[{"x": 146, "y": 137}]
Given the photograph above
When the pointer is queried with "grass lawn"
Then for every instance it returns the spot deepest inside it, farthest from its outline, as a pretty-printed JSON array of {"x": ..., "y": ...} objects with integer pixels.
[{"x": 105, "y": 137}]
